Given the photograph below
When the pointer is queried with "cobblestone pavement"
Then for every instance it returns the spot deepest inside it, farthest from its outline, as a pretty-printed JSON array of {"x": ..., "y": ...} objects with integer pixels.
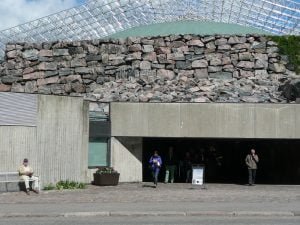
[{"x": 144, "y": 192}]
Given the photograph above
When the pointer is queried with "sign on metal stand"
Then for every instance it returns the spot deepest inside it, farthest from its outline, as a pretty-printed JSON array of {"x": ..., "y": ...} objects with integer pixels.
[{"x": 198, "y": 177}]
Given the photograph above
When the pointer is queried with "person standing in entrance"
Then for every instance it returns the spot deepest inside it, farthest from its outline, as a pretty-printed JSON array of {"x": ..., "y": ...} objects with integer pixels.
[
  {"x": 155, "y": 163},
  {"x": 26, "y": 174},
  {"x": 170, "y": 163},
  {"x": 187, "y": 167},
  {"x": 251, "y": 162}
]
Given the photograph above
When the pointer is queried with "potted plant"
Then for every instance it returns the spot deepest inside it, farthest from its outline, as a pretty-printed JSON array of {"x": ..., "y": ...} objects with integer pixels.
[{"x": 106, "y": 176}]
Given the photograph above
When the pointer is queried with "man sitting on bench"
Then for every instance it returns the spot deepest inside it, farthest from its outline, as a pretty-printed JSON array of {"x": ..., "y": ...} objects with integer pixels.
[{"x": 26, "y": 172}]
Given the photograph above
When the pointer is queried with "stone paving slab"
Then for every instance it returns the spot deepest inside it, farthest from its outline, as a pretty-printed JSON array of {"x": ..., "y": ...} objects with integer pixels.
[
  {"x": 152, "y": 214},
  {"x": 144, "y": 192},
  {"x": 166, "y": 200}
]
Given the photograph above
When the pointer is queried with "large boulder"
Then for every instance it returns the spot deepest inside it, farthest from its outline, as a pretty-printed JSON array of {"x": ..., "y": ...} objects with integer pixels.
[{"x": 291, "y": 89}]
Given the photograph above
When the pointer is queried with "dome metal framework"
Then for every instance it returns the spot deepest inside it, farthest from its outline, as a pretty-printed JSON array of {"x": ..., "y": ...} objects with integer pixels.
[{"x": 101, "y": 18}]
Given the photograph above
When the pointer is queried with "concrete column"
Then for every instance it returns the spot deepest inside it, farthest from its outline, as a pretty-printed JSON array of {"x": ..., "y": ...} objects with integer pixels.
[{"x": 126, "y": 158}]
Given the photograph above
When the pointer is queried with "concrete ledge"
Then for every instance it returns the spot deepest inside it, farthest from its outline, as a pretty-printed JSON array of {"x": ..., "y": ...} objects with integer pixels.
[
  {"x": 297, "y": 213},
  {"x": 27, "y": 215},
  {"x": 139, "y": 214},
  {"x": 86, "y": 214},
  {"x": 247, "y": 213},
  {"x": 10, "y": 186},
  {"x": 210, "y": 213},
  {"x": 3, "y": 187},
  {"x": 13, "y": 186},
  {"x": 147, "y": 214}
]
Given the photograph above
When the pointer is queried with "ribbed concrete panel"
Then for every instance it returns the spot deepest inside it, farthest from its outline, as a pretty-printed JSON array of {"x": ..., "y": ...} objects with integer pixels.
[
  {"x": 212, "y": 120},
  {"x": 57, "y": 148},
  {"x": 18, "y": 109},
  {"x": 126, "y": 158},
  {"x": 17, "y": 143},
  {"x": 62, "y": 143}
]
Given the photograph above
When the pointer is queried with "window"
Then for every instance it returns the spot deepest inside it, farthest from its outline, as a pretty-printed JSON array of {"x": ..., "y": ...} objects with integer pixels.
[
  {"x": 99, "y": 135},
  {"x": 98, "y": 152}
]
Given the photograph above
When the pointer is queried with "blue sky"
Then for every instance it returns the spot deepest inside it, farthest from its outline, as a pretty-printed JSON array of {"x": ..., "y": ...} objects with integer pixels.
[{"x": 15, "y": 12}]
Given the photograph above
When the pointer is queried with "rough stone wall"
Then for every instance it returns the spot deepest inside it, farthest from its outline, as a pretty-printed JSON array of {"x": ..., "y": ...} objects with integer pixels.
[{"x": 176, "y": 68}]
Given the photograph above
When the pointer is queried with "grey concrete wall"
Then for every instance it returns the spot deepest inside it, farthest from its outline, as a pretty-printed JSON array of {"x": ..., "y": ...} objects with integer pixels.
[
  {"x": 126, "y": 158},
  {"x": 17, "y": 143},
  {"x": 219, "y": 120},
  {"x": 62, "y": 143},
  {"x": 57, "y": 147}
]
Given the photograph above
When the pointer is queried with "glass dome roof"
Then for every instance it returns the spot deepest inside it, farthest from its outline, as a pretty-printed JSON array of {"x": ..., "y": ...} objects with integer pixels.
[{"x": 104, "y": 18}]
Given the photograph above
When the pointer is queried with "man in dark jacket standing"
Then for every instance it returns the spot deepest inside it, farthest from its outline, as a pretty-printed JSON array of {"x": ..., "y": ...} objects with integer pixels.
[
  {"x": 155, "y": 163},
  {"x": 170, "y": 163},
  {"x": 251, "y": 162}
]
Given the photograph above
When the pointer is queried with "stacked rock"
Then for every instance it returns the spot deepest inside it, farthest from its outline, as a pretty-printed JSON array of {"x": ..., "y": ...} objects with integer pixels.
[{"x": 175, "y": 68}]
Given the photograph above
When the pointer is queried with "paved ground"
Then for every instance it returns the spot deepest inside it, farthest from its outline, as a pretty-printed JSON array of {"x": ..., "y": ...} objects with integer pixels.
[
  {"x": 164, "y": 193},
  {"x": 167, "y": 200},
  {"x": 155, "y": 221}
]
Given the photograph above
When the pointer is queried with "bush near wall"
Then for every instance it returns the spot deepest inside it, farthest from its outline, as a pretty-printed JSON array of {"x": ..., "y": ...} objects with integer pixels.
[
  {"x": 289, "y": 46},
  {"x": 65, "y": 185}
]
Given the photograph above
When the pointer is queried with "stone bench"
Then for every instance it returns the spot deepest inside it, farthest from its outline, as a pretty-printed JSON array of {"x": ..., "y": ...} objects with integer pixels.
[{"x": 10, "y": 181}]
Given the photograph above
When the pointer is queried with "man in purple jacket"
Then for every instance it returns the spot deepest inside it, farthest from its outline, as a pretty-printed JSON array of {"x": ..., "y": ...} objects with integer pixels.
[{"x": 155, "y": 162}]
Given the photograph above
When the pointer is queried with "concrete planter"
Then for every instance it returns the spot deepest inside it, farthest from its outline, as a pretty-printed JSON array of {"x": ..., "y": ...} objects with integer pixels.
[{"x": 106, "y": 179}]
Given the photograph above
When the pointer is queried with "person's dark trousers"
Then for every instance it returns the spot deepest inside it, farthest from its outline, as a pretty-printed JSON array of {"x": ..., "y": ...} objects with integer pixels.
[
  {"x": 170, "y": 173},
  {"x": 155, "y": 173},
  {"x": 252, "y": 176}
]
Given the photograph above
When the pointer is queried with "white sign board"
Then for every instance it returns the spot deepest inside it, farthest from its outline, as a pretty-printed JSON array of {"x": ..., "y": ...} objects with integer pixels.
[{"x": 198, "y": 175}]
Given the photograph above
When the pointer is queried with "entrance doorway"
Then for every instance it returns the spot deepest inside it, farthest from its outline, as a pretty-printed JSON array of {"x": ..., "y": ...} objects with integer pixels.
[{"x": 224, "y": 159}]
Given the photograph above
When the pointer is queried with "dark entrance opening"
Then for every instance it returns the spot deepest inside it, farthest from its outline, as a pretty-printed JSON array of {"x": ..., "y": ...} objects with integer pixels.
[{"x": 224, "y": 159}]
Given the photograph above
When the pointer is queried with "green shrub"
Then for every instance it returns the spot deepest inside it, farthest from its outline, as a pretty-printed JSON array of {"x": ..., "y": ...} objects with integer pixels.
[
  {"x": 102, "y": 170},
  {"x": 81, "y": 186},
  {"x": 69, "y": 185},
  {"x": 290, "y": 46},
  {"x": 65, "y": 185}
]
